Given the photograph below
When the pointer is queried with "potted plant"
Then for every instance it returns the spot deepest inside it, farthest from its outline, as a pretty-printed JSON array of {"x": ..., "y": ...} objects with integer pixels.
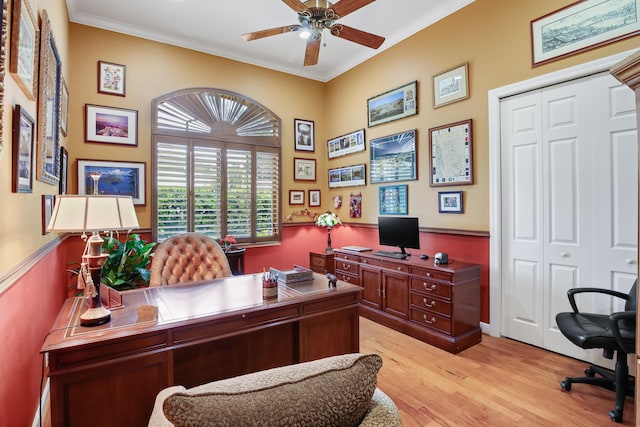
[{"x": 128, "y": 262}]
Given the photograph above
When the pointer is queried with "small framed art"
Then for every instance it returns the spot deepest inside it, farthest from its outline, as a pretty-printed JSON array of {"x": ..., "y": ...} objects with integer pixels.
[
  {"x": 23, "y": 62},
  {"x": 23, "y": 149},
  {"x": 47, "y": 211},
  {"x": 111, "y": 125},
  {"x": 305, "y": 135},
  {"x": 451, "y": 86},
  {"x": 450, "y": 202},
  {"x": 116, "y": 178},
  {"x": 64, "y": 170},
  {"x": 392, "y": 105},
  {"x": 111, "y": 78},
  {"x": 296, "y": 197},
  {"x": 348, "y": 176},
  {"x": 304, "y": 169},
  {"x": 346, "y": 144},
  {"x": 314, "y": 198}
]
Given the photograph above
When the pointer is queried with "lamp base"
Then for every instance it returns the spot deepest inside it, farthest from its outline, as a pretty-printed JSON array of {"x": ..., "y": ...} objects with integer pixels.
[{"x": 95, "y": 316}]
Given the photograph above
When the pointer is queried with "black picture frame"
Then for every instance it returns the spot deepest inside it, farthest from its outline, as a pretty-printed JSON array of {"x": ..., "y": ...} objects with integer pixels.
[
  {"x": 24, "y": 137},
  {"x": 450, "y": 202}
]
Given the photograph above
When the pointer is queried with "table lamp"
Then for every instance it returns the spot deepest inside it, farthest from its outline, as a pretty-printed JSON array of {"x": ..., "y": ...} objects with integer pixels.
[
  {"x": 76, "y": 213},
  {"x": 328, "y": 220}
]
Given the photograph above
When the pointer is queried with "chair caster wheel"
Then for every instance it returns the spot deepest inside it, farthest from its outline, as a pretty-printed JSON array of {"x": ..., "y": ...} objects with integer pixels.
[
  {"x": 615, "y": 416},
  {"x": 565, "y": 385}
]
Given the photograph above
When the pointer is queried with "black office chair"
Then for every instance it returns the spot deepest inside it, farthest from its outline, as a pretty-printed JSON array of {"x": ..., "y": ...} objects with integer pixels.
[{"x": 614, "y": 333}]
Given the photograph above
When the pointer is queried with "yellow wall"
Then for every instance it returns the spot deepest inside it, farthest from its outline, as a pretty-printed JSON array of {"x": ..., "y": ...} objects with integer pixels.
[
  {"x": 21, "y": 218},
  {"x": 491, "y": 35}
]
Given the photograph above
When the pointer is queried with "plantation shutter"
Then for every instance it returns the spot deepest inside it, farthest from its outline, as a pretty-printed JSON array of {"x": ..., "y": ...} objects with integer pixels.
[
  {"x": 172, "y": 189},
  {"x": 239, "y": 193},
  {"x": 207, "y": 194},
  {"x": 267, "y": 194}
]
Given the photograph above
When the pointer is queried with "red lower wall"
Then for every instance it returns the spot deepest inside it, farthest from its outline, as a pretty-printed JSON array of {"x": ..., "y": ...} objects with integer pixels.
[{"x": 29, "y": 306}]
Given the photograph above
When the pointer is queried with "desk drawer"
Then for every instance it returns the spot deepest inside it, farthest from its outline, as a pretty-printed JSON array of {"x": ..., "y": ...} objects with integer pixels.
[
  {"x": 346, "y": 257},
  {"x": 431, "y": 320},
  {"x": 354, "y": 280},
  {"x": 427, "y": 287},
  {"x": 425, "y": 302},
  {"x": 348, "y": 267},
  {"x": 431, "y": 274}
]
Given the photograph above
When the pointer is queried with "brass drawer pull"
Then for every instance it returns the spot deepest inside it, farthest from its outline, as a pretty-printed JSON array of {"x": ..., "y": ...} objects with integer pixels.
[
  {"x": 427, "y": 304},
  {"x": 364, "y": 261},
  {"x": 429, "y": 288},
  {"x": 346, "y": 278},
  {"x": 399, "y": 268},
  {"x": 432, "y": 320},
  {"x": 346, "y": 266}
]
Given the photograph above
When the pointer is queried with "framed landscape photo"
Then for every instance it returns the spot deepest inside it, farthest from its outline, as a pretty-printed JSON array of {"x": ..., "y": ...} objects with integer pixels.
[
  {"x": 393, "y": 200},
  {"x": 393, "y": 157},
  {"x": 296, "y": 197},
  {"x": 116, "y": 178},
  {"x": 23, "y": 61},
  {"x": 111, "y": 125},
  {"x": 451, "y": 154},
  {"x": 314, "y": 198},
  {"x": 582, "y": 26},
  {"x": 305, "y": 135},
  {"x": 111, "y": 78},
  {"x": 23, "y": 148},
  {"x": 304, "y": 169},
  {"x": 450, "y": 202},
  {"x": 346, "y": 144},
  {"x": 392, "y": 105},
  {"x": 348, "y": 176},
  {"x": 451, "y": 86}
]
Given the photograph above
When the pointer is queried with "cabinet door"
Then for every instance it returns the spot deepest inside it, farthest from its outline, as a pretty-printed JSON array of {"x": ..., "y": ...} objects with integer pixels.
[
  {"x": 395, "y": 294},
  {"x": 371, "y": 281}
]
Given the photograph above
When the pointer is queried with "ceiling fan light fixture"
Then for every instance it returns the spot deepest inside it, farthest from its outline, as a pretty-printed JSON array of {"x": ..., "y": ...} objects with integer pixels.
[{"x": 305, "y": 33}]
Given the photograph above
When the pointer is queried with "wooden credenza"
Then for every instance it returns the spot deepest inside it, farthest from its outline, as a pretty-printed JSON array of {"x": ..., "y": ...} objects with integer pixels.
[
  {"x": 109, "y": 375},
  {"x": 439, "y": 305},
  {"x": 321, "y": 262}
]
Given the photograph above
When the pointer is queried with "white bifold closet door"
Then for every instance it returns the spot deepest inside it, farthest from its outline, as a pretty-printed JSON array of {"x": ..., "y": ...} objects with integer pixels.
[{"x": 570, "y": 207}]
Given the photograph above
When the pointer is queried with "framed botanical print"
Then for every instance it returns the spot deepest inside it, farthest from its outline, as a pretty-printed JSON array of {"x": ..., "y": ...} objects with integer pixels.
[{"x": 111, "y": 78}]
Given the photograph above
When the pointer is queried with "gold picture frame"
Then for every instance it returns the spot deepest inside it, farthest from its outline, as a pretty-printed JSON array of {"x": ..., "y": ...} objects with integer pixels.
[{"x": 23, "y": 61}]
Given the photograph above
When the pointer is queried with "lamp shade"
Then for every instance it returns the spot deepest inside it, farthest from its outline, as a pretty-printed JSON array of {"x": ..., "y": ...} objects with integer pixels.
[{"x": 76, "y": 213}]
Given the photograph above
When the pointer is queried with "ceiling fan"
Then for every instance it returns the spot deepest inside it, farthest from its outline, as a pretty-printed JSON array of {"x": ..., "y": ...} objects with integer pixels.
[{"x": 318, "y": 15}]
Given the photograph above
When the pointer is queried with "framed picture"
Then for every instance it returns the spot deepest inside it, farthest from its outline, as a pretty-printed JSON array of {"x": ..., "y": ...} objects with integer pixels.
[
  {"x": 23, "y": 62},
  {"x": 451, "y": 86},
  {"x": 346, "y": 144},
  {"x": 64, "y": 170},
  {"x": 581, "y": 26},
  {"x": 314, "y": 198},
  {"x": 392, "y": 105},
  {"x": 64, "y": 106},
  {"x": 451, "y": 154},
  {"x": 304, "y": 169},
  {"x": 348, "y": 176},
  {"x": 48, "y": 106},
  {"x": 111, "y": 78},
  {"x": 450, "y": 202},
  {"x": 296, "y": 197},
  {"x": 393, "y": 200},
  {"x": 393, "y": 157},
  {"x": 47, "y": 211},
  {"x": 305, "y": 135},
  {"x": 3, "y": 53},
  {"x": 23, "y": 146},
  {"x": 111, "y": 125},
  {"x": 116, "y": 178}
]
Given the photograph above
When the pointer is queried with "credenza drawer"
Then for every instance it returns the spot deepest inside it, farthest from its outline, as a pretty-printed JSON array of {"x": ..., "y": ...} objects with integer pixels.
[
  {"x": 349, "y": 267},
  {"x": 354, "y": 280},
  {"x": 427, "y": 287},
  {"x": 431, "y": 274},
  {"x": 431, "y": 320},
  {"x": 429, "y": 303},
  {"x": 390, "y": 265},
  {"x": 347, "y": 257}
]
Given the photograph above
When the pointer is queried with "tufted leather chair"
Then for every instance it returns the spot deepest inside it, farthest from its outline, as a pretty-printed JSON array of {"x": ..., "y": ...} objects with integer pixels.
[{"x": 188, "y": 257}]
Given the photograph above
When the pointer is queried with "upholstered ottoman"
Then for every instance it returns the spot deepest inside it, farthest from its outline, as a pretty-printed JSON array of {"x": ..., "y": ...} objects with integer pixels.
[{"x": 334, "y": 391}]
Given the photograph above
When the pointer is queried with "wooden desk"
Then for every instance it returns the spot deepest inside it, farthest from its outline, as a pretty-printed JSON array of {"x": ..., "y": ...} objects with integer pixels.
[{"x": 109, "y": 375}]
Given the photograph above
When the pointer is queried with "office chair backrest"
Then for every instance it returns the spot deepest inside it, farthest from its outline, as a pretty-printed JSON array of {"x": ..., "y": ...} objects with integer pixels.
[
  {"x": 631, "y": 303},
  {"x": 188, "y": 257}
]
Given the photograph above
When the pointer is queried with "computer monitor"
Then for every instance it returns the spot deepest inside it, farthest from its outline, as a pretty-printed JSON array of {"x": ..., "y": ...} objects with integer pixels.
[{"x": 399, "y": 231}]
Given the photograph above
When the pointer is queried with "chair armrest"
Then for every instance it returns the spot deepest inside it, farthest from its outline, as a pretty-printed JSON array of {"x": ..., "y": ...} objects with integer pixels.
[
  {"x": 573, "y": 291},
  {"x": 614, "y": 319}
]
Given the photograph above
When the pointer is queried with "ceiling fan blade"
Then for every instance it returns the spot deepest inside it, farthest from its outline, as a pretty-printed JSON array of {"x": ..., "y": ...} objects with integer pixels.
[
  {"x": 345, "y": 7},
  {"x": 313, "y": 50},
  {"x": 296, "y": 5},
  {"x": 271, "y": 32},
  {"x": 357, "y": 36}
]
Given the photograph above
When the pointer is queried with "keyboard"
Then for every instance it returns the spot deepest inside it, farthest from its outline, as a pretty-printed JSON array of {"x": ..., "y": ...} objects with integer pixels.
[{"x": 388, "y": 254}]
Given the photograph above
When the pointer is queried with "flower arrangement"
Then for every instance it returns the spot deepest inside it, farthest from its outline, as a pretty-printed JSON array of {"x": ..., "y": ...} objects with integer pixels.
[
  {"x": 227, "y": 241},
  {"x": 328, "y": 219}
]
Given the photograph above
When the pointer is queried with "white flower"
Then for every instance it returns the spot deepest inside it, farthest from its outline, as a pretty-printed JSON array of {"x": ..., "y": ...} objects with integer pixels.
[{"x": 328, "y": 219}]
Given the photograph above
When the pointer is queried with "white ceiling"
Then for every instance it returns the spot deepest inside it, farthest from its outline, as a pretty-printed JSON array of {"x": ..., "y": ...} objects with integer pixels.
[{"x": 216, "y": 26}]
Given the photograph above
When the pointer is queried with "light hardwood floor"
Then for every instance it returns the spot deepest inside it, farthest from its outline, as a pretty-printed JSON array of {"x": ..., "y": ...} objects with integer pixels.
[{"x": 499, "y": 382}]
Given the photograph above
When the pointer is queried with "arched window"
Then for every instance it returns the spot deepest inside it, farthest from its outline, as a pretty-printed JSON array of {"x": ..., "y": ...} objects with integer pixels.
[{"x": 215, "y": 166}]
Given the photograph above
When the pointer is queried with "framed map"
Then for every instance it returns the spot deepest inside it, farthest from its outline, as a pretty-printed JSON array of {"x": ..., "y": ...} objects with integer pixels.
[{"x": 451, "y": 148}]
